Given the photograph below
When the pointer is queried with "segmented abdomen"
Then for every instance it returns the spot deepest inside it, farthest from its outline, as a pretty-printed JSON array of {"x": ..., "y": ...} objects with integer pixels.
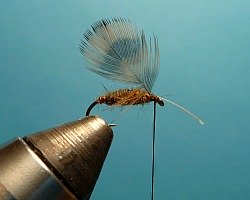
[{"x": 125, "y": 97}]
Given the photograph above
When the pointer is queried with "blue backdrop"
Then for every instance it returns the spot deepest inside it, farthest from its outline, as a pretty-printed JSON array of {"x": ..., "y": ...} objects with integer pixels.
[{"x": 205, "y": 66}]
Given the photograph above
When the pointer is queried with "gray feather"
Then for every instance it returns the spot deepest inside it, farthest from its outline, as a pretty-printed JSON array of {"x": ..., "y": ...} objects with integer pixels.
[{"x": 118, "y": 50}]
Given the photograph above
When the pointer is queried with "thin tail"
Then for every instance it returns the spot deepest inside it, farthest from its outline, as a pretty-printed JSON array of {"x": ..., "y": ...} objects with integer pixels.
[{"x": 185, "y": 110}]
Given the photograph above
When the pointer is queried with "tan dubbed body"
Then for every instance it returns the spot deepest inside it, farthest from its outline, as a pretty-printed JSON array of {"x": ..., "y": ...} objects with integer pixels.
[{"x": 126, "y": 97}]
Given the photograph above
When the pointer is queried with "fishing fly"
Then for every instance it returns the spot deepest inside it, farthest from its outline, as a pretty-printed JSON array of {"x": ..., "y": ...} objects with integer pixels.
[{"x": 119, "y": 50}]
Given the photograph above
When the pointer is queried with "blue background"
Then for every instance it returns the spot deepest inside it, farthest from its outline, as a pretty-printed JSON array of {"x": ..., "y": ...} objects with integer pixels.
[{"x": 205, "y": 66}]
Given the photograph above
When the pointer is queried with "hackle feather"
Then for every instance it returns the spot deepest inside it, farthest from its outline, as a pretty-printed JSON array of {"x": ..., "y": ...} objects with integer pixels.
[{"x": 118, "y": 50}]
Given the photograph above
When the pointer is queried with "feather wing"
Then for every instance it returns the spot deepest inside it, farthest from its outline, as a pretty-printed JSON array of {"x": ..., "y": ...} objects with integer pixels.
[{"x": 118, "y": 50}]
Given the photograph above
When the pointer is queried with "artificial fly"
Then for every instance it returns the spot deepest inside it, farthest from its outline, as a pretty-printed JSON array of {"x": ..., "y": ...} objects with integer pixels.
[{"x": 118, "y": 50}]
